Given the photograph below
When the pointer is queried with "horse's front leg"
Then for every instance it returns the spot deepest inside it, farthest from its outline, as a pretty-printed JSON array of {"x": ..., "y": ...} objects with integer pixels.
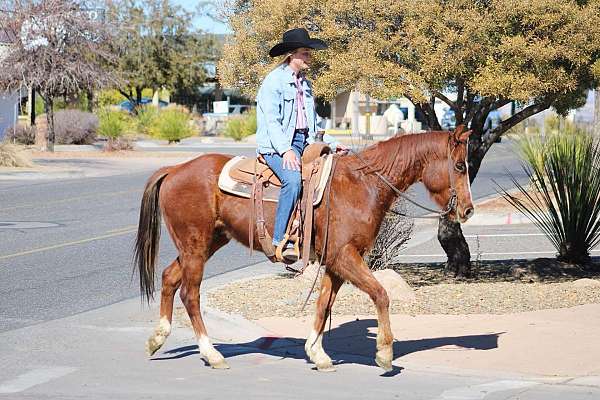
[
  {"x": 351, "y": 267},
  {"x": 330, "y": 284}
]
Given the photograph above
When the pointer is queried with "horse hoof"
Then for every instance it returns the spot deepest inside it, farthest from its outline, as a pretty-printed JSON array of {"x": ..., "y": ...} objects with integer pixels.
[
  {"x": 386, "y": 365},
  {"x": 221, "y": 364},
  {"x": 152, "y": 347},
  {"x": 326, "y": 367}
]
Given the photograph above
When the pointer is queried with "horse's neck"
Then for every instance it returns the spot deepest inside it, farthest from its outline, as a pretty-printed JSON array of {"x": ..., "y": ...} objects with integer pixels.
[{"x": 401, "y": 160}]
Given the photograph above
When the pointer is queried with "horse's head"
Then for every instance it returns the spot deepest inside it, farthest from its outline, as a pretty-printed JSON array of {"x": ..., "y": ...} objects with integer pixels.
[{"x": 447, "y": 177}]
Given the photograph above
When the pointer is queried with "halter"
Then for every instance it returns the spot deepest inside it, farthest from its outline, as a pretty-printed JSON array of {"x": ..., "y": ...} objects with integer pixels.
[{"x": 452, "y": 201}]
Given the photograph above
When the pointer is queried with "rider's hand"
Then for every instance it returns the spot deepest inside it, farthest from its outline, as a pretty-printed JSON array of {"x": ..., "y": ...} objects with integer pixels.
[{"x": 290, "y": 161}]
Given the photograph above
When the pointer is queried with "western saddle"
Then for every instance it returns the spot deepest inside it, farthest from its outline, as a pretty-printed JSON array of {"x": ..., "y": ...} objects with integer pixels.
[{"x": 252, "y": 178}]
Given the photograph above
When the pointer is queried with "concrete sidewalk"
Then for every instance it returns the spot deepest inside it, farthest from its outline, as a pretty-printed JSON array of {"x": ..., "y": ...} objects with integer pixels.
[{"x": 559, "y": 346}]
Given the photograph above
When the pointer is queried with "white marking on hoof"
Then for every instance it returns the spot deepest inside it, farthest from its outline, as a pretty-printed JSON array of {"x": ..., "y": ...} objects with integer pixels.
[
  {"x": 214, "y": 358},
  {"x": 158, "y": 338},
  {"x": 383, "y": 358},
  {"x": 315, "y": 352}
]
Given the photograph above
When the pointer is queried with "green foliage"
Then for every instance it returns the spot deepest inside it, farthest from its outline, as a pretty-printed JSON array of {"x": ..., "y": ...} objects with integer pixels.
[
  {"x": 564, "y": 198},
  {"x": 109, "y": 97},
  {"x": 173, "y": 124},
  {"x": 113, "y": 124},
  {"x": 240, "y": 127},
  {"x": 146, "y": 117},
  {"x": 158, "y": 46}
]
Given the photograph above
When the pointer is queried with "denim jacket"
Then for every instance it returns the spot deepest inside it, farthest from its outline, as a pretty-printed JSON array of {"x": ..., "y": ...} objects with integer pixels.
[{"x": 276, "y": 112}]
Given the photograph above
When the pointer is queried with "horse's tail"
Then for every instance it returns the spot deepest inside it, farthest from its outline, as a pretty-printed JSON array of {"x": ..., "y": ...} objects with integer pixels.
[{"x": 148, "y": 235}]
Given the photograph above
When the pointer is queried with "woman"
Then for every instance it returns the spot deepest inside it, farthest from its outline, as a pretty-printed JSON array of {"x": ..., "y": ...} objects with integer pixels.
[{"x": 287, "y": 122}]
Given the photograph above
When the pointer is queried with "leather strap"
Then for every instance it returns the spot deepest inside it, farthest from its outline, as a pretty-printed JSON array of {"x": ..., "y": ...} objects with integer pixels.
[
  {"x": 309, "y": 212},
  {"x": 265, "y": 240}
]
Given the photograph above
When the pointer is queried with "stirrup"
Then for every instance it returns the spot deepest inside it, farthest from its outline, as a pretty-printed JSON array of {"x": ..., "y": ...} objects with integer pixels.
[{"x": 287, "y": 255}]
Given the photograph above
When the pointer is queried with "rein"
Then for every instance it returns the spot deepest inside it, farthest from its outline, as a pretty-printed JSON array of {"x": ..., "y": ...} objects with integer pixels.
[{"x": 439, "y": 214}]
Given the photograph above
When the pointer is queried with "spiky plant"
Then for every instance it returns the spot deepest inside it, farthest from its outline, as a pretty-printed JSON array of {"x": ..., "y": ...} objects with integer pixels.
[{"x": 563, "y": 198}]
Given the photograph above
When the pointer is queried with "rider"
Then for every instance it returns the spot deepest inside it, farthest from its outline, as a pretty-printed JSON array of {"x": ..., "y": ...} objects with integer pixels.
[{"x": 287, "y": 122}]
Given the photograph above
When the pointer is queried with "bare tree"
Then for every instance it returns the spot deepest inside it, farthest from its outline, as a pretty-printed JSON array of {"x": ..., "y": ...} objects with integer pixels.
[{"x": 55, "y": 48}]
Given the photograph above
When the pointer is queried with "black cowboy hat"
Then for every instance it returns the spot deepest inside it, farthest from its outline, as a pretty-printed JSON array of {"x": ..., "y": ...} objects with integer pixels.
[{"x": 294, "y": 39}]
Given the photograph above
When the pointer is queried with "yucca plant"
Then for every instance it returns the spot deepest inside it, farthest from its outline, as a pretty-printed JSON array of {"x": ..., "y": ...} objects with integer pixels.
[{"x": 563, "y": 199}]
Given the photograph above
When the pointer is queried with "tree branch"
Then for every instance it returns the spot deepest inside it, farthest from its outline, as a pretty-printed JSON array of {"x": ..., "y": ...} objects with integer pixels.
[
  {"x": 505, "y": 125},
  {"x": 446, "y": 100}
]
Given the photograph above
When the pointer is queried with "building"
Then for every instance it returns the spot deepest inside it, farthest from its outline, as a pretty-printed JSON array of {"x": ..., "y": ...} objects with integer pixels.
[{"x": 8, "y": 101}]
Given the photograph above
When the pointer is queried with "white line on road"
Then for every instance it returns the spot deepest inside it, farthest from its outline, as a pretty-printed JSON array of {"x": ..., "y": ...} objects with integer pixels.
[
  {"x": 33, "y": 378},
  {"x": 479, "y": 392}
]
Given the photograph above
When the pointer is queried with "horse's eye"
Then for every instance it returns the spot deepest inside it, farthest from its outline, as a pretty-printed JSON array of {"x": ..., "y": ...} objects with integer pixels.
[{"x": 460, "y": 167}]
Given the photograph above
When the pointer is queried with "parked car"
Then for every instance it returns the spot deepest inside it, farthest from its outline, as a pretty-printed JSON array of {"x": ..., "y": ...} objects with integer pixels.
[{"x": 127, "y": 105}]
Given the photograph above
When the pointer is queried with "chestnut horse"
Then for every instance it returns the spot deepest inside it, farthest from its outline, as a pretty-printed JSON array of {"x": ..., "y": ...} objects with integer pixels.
[{"x": 201, "y": 218}]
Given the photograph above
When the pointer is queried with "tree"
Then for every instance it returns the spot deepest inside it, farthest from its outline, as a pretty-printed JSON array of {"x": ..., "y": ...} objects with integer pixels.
[
  {"x": 158, "y": 47},
  {"x": 55, "y": 49},
  {"x": 538, "y": 53}
]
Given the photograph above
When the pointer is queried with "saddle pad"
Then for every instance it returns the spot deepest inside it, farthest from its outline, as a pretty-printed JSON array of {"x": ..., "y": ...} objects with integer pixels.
[
  {"x": 270, "y": 192},
  {"x": 244, "y": 170}
]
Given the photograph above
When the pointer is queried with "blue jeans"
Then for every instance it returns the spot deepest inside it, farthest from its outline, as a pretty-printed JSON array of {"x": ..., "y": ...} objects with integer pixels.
[{"x": 291, "y": 186}]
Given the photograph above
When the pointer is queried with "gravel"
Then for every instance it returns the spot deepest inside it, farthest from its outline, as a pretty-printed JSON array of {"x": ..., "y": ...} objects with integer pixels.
[{"x": 496, "y": 289}]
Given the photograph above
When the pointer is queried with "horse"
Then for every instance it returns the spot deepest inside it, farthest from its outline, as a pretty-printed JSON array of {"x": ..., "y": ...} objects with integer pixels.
[{"x": 201, "y": 218}]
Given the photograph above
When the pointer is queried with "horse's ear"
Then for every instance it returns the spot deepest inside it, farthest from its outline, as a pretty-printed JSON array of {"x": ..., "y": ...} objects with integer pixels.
[{"x": 461, "y": 134}]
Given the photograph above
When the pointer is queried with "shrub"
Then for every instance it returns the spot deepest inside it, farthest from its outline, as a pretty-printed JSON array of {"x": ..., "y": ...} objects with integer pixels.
[
  {"x": 112, "y": 125},
  {"x": 173, "y": 124},
  {"x": 11, "y": 157},
  {"x": 75, "y": 127},
  {"x": 146, "y": 117},
  {"x": 20, "y": 134},
  {"x": 240, "y": 127},
  {"x": 564, "y": 198},
  {"x": 394, "y": 232}
]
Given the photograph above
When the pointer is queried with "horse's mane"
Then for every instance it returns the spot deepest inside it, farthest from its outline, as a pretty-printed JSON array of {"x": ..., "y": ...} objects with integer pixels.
[{"x": 401, "y": 151}]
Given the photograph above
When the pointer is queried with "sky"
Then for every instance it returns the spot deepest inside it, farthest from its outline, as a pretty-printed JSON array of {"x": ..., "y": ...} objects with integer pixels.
[{"x": 205, "y": 23}]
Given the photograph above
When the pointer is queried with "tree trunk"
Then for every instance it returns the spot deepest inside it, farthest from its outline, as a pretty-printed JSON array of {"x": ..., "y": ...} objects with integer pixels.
[
  {"x": 90, "y": 100},
  {"x": 454, "y": 244},
  {"x": 48, "y": 105}
]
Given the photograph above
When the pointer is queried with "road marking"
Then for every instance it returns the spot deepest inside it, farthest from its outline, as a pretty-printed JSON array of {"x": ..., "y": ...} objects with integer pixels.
[
  {"x": 87, "y": 196},
  {"x": 33, "y": 378},
  {"x": 479, "y": 392},
  {"x": 485, "y": 253},
  {"x": 61, "y": 245},
  {"x": 125, "y": 228}
]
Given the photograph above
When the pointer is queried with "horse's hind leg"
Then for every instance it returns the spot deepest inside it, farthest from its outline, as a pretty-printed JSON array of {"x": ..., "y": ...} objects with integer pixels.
[
  {"x": 351, "y": 267},
  {"x": 171, "y": 279},
  {"x": 193, "y": 269},
  {"x": 330, "y": 284}
]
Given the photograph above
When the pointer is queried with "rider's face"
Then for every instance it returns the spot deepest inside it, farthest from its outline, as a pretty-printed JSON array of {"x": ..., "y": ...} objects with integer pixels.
[{"x": 301, "y": 58}]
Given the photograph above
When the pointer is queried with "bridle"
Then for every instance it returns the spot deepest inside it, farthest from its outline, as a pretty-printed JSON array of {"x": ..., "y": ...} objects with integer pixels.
[{"x": 452, "y": 201}]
